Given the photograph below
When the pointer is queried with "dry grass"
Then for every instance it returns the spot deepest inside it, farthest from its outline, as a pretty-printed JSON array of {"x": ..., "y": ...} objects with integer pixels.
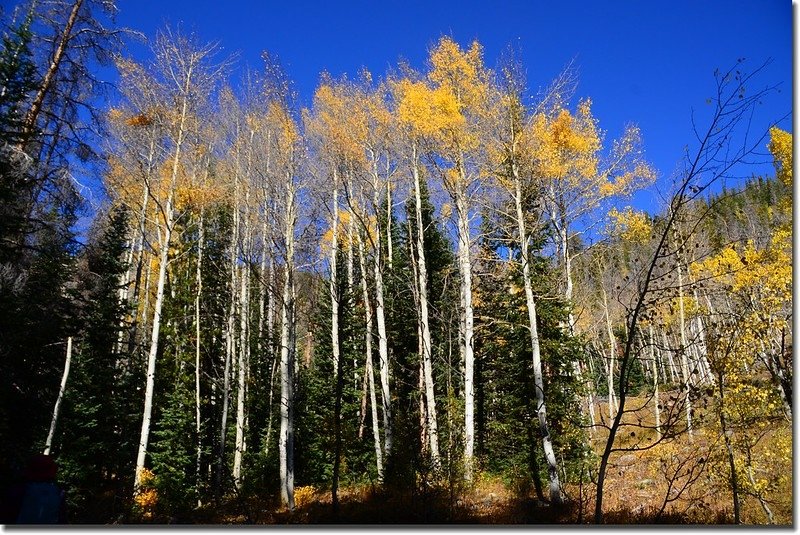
[{"x": 676, "y": 482}]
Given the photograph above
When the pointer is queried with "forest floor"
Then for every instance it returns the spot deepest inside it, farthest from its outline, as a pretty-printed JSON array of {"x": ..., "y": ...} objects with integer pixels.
[{"x": 676, "y": 482}]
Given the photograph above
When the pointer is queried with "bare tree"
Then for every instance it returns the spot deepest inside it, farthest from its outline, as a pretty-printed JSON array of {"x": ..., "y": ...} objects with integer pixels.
[{"x": 726, "y": 144}]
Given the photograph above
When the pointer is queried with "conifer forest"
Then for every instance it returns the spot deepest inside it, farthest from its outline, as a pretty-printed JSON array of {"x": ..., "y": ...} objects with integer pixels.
[{"x": 423, "y": 296}]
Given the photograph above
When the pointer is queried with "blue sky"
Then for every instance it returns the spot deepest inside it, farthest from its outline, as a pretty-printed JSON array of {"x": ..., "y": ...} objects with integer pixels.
[{"x": 650, "y": 63}]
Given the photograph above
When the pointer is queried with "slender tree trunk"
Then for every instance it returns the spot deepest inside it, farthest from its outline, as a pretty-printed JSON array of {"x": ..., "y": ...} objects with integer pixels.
[
  {"x": 337, "y": 432},
  {"x": 262, "y": 290},
  {"x": 465, "y": 267},
  {"x": 162, "y": 275},
  {"x": 271, "y": 406},
  {"x": 51, "y": 433},
  {"x": 29, "y": 123},
  {"x": 423, "y": 412},
  {"x": 333, "y": 285},
  {"x": 288, "y": 326},
  {"x": 139, "y": 247},
  {"x": 383, "y": 342},
  {"x": 687, "y": 376},
  {"x": 538, "y": 380},
  {"x": 151, "y": 360},
  {"x": 670, "y": 360},
  {"x": 243, "y": 364},
  {"x": 230, "y": 340},
  {"x": 197, "y": 399},
  {"x": 336, "y": 350},
  {"x": 657, "y": 399},
  {"x": 368, "y": 367},
  {"x": 430, "y": 400},
  {"x": 612, "y": 403}
]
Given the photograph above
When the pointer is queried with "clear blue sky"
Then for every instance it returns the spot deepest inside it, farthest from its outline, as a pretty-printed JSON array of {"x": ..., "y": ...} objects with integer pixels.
[{"x": 645, "y": 62}]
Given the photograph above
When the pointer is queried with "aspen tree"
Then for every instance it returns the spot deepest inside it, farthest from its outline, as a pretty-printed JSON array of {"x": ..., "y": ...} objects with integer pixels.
[
  {"x": 576, "y": 177},
  {"x": 460, "y": 93},
  {"x": 183, "y": 66},
  {"x": 368, "y": 366},
  {"x": 375, "y": 140},
  {"x": 509, "y": 154},
  {"x": 51, "y": 433},
  {"x": 285, "y": 138}
]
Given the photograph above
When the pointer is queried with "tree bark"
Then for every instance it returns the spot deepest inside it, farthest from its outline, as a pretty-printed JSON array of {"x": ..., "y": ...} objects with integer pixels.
[
  {"x": 197, "y": 298},
  {"x": 286, "y": 441},
  {"x": 368, "y": 367},
  {"x": 538, "y": 380},
  {"x": 422, "y": 283},
  {"x": 162, "y": 275},
  {"x": 51, "y": 433},
  {"x": 612, "y": 353},
  {"x": 29, "y": 123},
  {"x": 380, "y": 317},
  {"x": 465, "y": 267},
  {"x": 687, "y": 376}
]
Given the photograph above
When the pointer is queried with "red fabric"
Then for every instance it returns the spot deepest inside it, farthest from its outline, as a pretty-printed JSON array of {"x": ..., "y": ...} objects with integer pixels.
[{"x": 41, "y": 468}]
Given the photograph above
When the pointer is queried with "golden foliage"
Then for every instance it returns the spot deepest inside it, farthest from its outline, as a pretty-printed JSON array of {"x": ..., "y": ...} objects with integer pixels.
[
  {"x": 460, "y": 73},
  {"x": 631, "y": 225},
  {"x": 338, "y": 122},
  {"x": 146, "y": 497},
  {"x": 780, "y": 146},
  {"x": 425, "y": 111},
  {"x": 566, "y": 146},
  {"x": 304, "y": 495}
]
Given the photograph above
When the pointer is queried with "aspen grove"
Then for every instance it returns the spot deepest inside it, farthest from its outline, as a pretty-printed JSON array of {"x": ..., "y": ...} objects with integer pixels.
[{"x": 417, "y": 285}]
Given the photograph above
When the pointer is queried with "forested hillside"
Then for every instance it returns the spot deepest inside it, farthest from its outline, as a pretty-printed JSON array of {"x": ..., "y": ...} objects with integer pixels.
[{"x": 424, "y": 296}]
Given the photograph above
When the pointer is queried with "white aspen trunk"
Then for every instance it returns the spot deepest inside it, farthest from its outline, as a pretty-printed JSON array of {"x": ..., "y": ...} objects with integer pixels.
[
  {"x": 137, "y": 249},
  {"x": 123, "y": 294},
  {"x": 333, "y": 281},
  {"x": 162, "y": 275},
  {"x": 350, "y": 255},
  {"x": 423, "y": 414},
  {"x": 244, "y": 325},
  {"x": 262, "y": 287},
  {"x": 351, "y": 259},
  {"x": 687, "y": 376},
  {"x": 199, "y": 284},
  {"x": 657, "y": 398},
  {"x": 465, "y": 267},
  {"x": 243, "y": 364},
  {"x": 151, "y": 360},
  {"x": 424, "y": 440},
  {"x": 538, "y": 380},
  {"x": 671, "y": 362},
  {"x": 286, "y": 440},
  {"x": 430, "y": 401},
  {"x": 51, "y": 433},
  {"x": 612, "y": 400},
  {"x": 271, "y": 309},
  {"x": 702, "y": 349},
  {"x": 230, "y": 338},
  {"x": 660, "y": 362},
  {"x": 590, "y": 400},
  {"x": 566, "y": 258},
  {"x": 362, "y": 409},
  {"x": 368, "y": 368},
  {"x": 271, "y": 405},
  {"x": 383, "y": 341}
]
